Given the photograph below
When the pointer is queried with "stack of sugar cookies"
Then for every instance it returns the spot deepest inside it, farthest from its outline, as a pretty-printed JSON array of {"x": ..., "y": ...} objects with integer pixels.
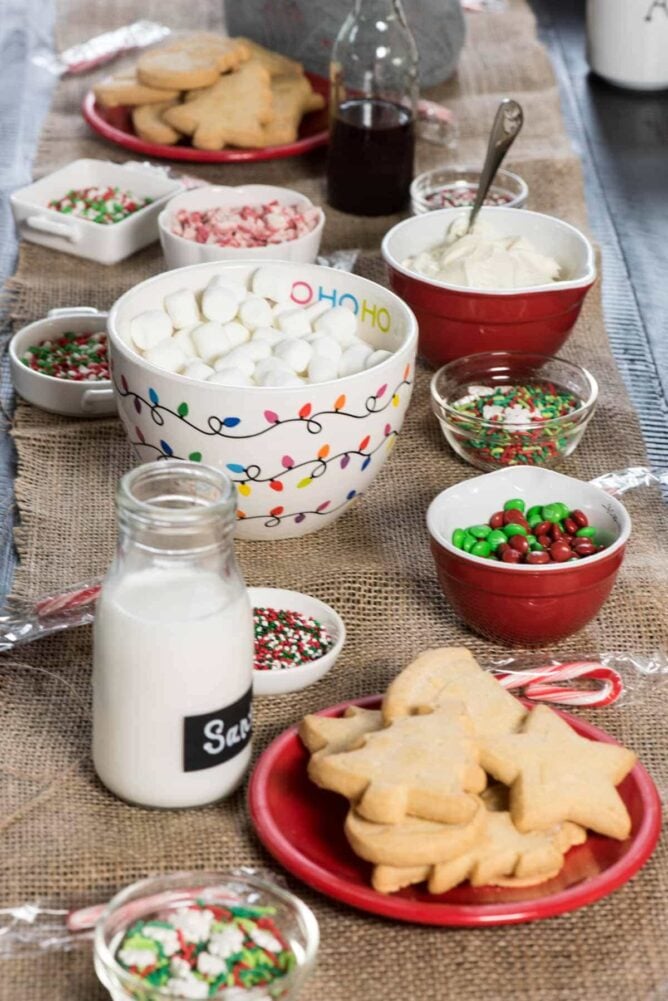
[
  {"x": 217, "y": 91},
  {"x": 416, "y": 774}
]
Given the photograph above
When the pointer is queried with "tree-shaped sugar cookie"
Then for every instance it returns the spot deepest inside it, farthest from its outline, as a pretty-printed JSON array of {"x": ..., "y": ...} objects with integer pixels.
[
  {"x": 422, "y": 766},
  {"x": 231, "y": 112},
  {"x": 502, "y": 856},
  {"x": 437, "y": 676},
  {"x": 555, "y": 775}
]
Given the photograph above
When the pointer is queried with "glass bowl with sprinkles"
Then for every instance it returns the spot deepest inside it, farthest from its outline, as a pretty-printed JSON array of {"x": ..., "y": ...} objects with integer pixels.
[
  {"x": 506, "y": 408},
  {"x": 205, "y": 935},
  {"x": 298, "y": 639},
  {"x": 456, "y": 187}
]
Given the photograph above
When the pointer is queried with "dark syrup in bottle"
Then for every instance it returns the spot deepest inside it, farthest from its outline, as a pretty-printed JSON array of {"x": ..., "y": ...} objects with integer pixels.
[{"x": 370, "y": 164}]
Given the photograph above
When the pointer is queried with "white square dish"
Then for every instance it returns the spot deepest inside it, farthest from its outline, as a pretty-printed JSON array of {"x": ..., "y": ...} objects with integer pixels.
[{"x": 106, "y": 244}]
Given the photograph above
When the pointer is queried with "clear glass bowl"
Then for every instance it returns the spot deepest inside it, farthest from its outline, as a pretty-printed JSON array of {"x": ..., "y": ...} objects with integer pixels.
[
  {"x": 161, "y": 894},
  {"x": 427, "y": 190},
  {"x": 489, "y": 445}
]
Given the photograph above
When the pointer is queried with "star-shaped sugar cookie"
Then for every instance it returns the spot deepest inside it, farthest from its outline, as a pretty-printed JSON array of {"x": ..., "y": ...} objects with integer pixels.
[
  {"x": 555, "y": 775},
  {"x": 423, "y": 766},
  {"x": 437, "y": 676},
  {"x": 503, "y": 856}
]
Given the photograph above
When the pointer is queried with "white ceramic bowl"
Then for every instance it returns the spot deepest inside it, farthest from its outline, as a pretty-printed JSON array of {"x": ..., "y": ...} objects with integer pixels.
[
  {"x": 293, "y": 679},
  {"x": 60, "y": 396},
  {"x": 81, "y": 237},
  {"x": 298, "y": 455},
  {"x": 179, "y": 252}
]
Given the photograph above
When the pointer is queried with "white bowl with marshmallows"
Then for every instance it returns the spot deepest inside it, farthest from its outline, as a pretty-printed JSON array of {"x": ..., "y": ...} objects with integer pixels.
[
  {"x": 249, "y": 222},
  {"x": 294, "y": 379}
]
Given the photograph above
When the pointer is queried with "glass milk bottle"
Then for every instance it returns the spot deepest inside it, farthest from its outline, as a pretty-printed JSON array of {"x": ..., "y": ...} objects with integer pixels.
[
  {"x": 373, "y": 102},
  {"x": 173, "y": 643}
]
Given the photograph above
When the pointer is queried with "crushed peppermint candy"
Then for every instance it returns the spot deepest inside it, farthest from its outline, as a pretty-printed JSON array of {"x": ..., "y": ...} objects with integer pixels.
[
  {"x": 79, "y": 357},
  {"x": 202, "y": 949},
  {"x": 285, "y": 639},
  {"x": 246, "y": 225},
  {"x": 102, "y": 205},
  {"x": 462, "y": 194}
]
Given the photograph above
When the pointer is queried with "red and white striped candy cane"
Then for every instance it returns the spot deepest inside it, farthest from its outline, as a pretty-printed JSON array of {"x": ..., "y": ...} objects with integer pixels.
[{"x": 539, "y": 684}]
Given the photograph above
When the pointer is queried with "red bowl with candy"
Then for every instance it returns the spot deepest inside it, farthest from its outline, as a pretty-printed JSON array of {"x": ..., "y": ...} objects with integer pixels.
[
  {"x": 457, "y": 320},
  {"x": 518, "y": 603}
]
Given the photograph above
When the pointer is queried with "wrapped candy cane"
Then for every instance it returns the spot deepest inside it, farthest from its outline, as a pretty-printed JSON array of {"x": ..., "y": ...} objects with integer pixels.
[{"x": 538, "y": 685}]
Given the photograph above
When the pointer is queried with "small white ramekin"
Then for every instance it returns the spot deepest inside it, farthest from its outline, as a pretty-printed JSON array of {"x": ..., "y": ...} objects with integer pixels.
[{"x": 180, "y": 252}]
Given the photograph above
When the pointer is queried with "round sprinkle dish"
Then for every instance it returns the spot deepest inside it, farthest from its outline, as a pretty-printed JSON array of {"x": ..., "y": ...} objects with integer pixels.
[
  {"x": 201, "y": 949},
  {"x": 79, "y": 357},
  {"x": 285, "y": 639},
  {"x": 102, "y": 205},
  {"x": 546, "y": 533}
]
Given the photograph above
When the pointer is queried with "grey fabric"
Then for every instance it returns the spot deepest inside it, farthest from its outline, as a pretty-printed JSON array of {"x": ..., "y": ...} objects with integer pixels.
[{"x": 306, "y": 29}]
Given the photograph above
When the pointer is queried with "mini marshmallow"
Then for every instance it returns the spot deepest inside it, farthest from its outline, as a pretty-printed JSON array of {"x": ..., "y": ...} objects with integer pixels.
[
  {"x": 266, "y": 365},
  {"x": 149, "y": 328},
  {"x": 269, "y": 335},
  {"x": 316, "y": 310},
  {"x": 219, "y": 304},
  {"x": 124, "y": 333},
  {"x": 237, "y": 358},
  {"x": 236, "y": 334},
  {"x": 337, "y": 322},
  {"x": 321, "y": 369},
  {"x": 211, "y": 341},
  {"x": 280, "y": 378},
  {"x": 376, "y": 357},
  {"x": 294, "y": 352},
  {"x": 185, "y": 341},
  {"x": 293, "y": 323},
  {"x": 236, "y": 286},
  {"x": 354, "y": 359},
  {"x": 166, "y": 355},
  {"x": 197, "y": 370},
  {"x": 272, "y": 283},
  {"x": 258, "y": 350},
  {"x": 326, "y": 347},
  {"x": 281, "y": 307},
  {"x": 230, "y": 377},
  {"x": 255, "y": 312},
  {"x": 182, "y": 308}
]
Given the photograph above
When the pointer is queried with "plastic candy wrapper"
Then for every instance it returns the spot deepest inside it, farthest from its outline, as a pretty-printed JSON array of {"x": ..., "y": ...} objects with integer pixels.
[
  {"x": 34, "y": 928},
  {"x": 437, "y": 124},
  {"x": 623, "y": 480},
  {"x": 103, "y": 48}
]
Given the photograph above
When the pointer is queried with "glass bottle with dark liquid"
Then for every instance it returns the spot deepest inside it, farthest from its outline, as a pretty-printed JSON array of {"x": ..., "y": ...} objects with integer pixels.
[{"x": 372, "y": 105}]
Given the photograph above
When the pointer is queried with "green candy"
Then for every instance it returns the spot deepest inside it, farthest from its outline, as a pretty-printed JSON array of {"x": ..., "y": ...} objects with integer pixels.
[
  {"x": 586, "y": 533},
  {"x": 564, "y": 510},
  {"x": 534, "y": 519},
  {"x": 468, "y": 543},
  {"x": 479, "y": 531},
  {"x": 514, "y": 504},
  {"x": 481, "y": 548},
  {"x": 496, "y": 538},
  {"x": 511, "y": 529},
  {"x": 458, "y": 537},
  {"x": 552, "y": 512},
  {"x": 535, "y": 512}
]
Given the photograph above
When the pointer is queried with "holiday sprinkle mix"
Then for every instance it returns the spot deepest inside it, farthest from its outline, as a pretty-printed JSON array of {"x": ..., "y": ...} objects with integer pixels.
[
  {"x": 103, "y": 205},
  {"x": 514, "y": 415},
  {"x": 461, "y": 194},
  {"x": 198, "y": 950},
  {"x": 78, "y": 357},
  {"x": 287, "y": 639}
]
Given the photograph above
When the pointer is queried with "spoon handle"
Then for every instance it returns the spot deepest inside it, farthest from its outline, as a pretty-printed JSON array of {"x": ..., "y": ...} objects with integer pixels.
[{"x": 507, "y": 124}]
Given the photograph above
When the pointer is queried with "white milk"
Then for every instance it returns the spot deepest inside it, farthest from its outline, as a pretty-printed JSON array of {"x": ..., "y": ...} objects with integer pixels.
[{"x": 172, "y": 643}]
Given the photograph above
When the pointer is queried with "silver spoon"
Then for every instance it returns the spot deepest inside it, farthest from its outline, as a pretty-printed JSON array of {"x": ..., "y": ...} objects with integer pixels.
[{"x": 507, "y": 124}]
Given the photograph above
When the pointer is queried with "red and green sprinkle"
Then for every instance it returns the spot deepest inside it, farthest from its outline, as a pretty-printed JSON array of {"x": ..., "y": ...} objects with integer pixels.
[
  {"x": 80, "y": 357},
  {"x": 102, "y": 205},
  {"x": 462, "y": 194},
  {"x": 285, "y": 639},
  {"x": 201, "y": 949}
]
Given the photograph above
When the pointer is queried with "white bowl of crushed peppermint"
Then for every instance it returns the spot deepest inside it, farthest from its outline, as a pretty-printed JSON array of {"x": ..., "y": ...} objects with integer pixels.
[
  {"x": 248, "y": 222},
  {"x": 298, "y": 639}
]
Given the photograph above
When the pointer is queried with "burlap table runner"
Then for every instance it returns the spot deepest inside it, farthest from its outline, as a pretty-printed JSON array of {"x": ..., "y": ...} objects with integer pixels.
[{"x": 64, "y": 839}]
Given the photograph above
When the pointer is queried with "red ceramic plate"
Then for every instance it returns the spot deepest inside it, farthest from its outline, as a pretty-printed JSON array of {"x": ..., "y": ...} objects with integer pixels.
[
  {"x": 302, "y": 827},
  {"x": 115, "y": 124}
]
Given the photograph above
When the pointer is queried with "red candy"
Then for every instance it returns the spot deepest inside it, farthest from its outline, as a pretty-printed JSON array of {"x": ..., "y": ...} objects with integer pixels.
[{"x": 560, "y": 551}]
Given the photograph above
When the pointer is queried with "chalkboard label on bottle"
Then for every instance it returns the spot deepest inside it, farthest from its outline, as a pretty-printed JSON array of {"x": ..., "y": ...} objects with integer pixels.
[{"x": 214, "y": 738}]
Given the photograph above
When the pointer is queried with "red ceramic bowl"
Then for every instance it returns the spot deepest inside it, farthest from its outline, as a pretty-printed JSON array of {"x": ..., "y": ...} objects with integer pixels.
[
  {"x": 525, "y": 605},
  {"x": 456, "y": 321}
]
